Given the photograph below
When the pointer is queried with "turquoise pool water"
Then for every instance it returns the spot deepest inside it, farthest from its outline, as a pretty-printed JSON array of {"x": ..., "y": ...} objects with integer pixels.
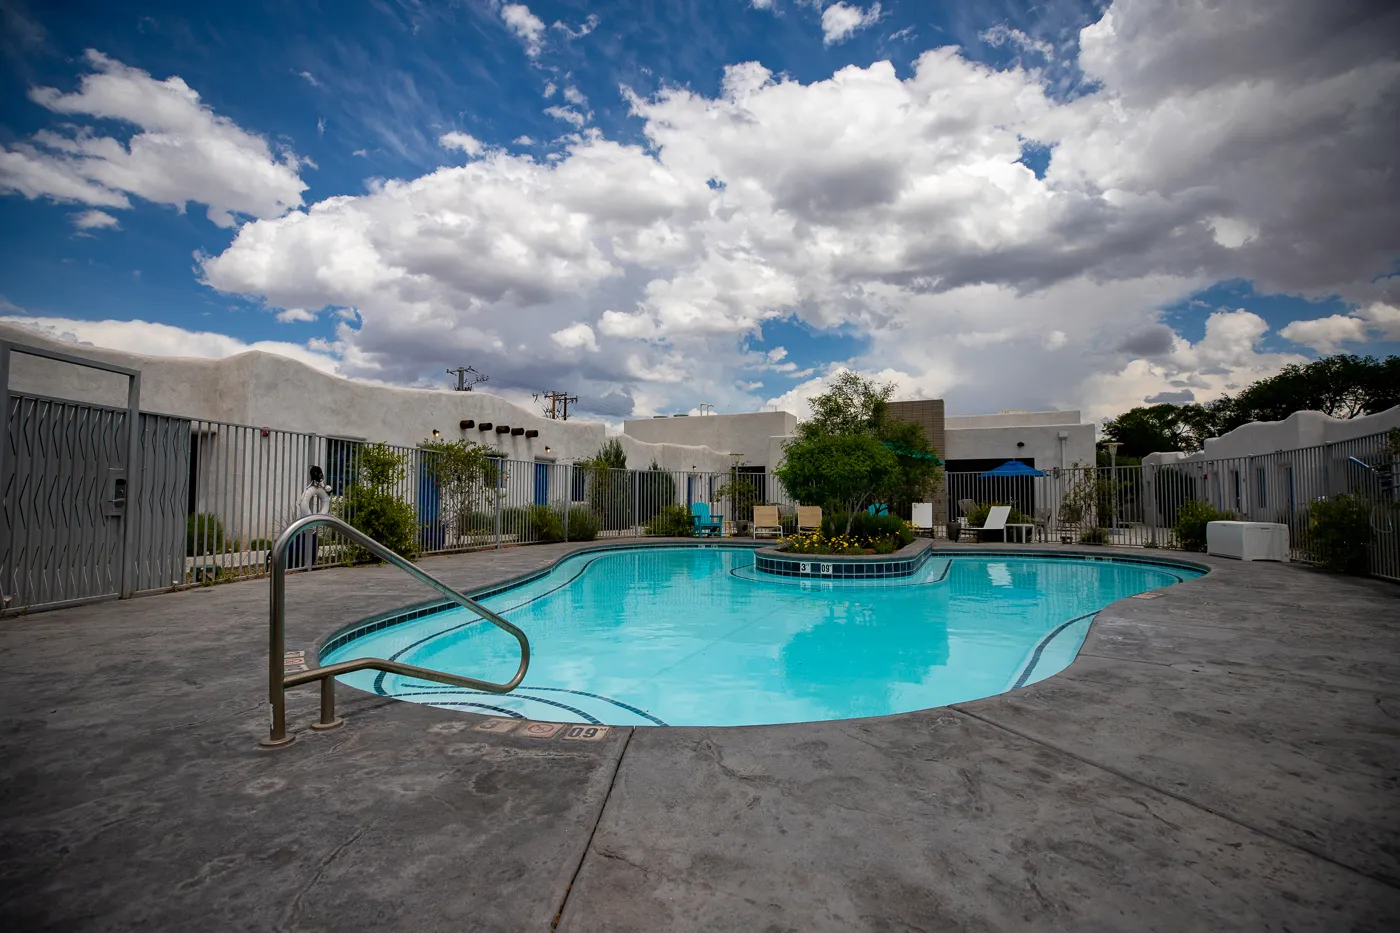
[{"x": 693, "y": 636}]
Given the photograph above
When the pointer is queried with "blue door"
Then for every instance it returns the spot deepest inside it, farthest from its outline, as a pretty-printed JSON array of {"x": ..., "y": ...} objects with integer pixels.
[{"x": 541, "y": 484}]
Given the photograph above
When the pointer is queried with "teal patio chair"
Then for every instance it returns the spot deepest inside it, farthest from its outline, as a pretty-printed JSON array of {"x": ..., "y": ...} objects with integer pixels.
[
  {"x": 704, "y": 523},
  {"x": 879, "y": 508}
]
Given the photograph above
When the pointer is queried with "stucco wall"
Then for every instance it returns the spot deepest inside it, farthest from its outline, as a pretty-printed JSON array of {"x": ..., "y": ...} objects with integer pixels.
[
  {"x": 262, "y": 389},
  {"x": 1012, "y": 419},
  {"x": 1300, "y": 429},
  {"x": 1042, "y": 442},
  {"x": 749, "y": 433}
]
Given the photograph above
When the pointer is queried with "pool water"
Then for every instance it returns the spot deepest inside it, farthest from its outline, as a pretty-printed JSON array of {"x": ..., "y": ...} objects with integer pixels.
[{"x": 695, "y": 636}]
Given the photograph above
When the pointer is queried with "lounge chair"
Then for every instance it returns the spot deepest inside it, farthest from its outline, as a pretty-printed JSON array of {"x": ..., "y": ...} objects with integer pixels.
[
  {"x": 879, "y": 508},
  {"x": 704, "y": 523},
  {"x": 921, "y": 516},
  {"x": 995, "y": 521},
  {"x": 766, "y": 523},
  {"x": 968, "y": 506},
  {"x": 809, "y": 518}
]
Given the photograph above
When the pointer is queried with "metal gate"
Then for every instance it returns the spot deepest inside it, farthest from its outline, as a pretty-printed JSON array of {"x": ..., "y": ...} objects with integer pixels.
[{"x": 65, "y": 471}]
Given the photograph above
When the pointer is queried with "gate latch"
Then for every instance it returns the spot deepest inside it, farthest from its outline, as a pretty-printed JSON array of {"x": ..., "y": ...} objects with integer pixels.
[{"x": 114, "y": 506}]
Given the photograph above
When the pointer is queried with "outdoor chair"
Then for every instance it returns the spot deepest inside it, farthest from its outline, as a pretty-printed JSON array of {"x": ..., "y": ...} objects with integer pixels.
[
  {"x": 704, "y": 523},
  {"x": 967, "y": 507},
  {"x": 879, "y": 508},
  {"x": 766, "y": 523},
  {"x": 921, "y": 516},
  {"x": 995, "y": 521},
  {"x": 809, "y": 518},
  {"x": 1042, "y": 523}
]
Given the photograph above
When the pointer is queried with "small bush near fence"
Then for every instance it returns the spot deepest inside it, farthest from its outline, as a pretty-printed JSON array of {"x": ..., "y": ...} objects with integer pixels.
[
  {"x": 671, "y": 521},
  {"x": 1341, "y": 529},
  {"x": 583, "y": 524},
  {"x": 545, "y": 523},
  {"x": 1189, "y": 533},
  {"x": 373, "y": 507},
  {"x": 204, "y": 534}
]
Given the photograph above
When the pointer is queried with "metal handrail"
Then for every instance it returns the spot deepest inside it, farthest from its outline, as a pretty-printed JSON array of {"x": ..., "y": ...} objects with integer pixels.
[{"x": 279, "y": 681}]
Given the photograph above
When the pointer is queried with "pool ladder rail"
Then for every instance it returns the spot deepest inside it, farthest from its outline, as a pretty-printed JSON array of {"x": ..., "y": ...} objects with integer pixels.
[{"x": 279, "y": 681}]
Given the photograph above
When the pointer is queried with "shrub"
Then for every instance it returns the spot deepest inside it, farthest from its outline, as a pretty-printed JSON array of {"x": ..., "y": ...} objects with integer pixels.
[
  {"x": 583, "y": 524},
  {"x": 1189, "y": 533},
  {"x": 204, "y": 534},
  {"x": 868, "y": 530},
  {"x": 1341, "y": 529},
  {"x": 547, "y": 523},
  {"x": 518, "y": 520},
  {"x": 671, "y": 521},
  {"x": 1094, "y": 536},
  {"x": 372, "y": 506}
]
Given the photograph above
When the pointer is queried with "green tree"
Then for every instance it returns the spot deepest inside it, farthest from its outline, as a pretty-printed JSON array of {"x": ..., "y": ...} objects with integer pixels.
[
  {"x": 608, "y": 484},
  {"x": 464, "y": 473},
  {"x": 1152, "y": 429},
  {"x": 372, "y": 504},
  {"x": 657, "y": 491},
  {"x": 841, "y": 472},
  {"x": 741, "y": 493},
  {"x": 1343, "y": 386},
  {"x": 858, "y": 407}
]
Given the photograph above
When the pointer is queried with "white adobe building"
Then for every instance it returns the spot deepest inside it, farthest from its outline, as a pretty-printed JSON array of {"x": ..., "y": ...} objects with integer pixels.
[{"x": 264, "y": 389}]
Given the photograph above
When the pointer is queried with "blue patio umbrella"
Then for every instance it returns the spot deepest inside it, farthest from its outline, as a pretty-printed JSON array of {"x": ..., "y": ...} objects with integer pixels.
[{"x": 1011, "y": 468}]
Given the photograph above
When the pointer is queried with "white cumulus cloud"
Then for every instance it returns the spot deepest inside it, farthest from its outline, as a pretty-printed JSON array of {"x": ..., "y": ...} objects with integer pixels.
[
  {"x": 576, "y": 336},
  {"x": 840, "y": 21},
  {"x": 95, "y": 220},
  {"x": 526, "y": 26},
  {"x": 182, "y": 151}
]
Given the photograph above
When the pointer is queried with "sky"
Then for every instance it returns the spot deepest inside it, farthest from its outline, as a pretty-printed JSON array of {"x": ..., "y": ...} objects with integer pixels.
[{"x": 654, "y": 205}]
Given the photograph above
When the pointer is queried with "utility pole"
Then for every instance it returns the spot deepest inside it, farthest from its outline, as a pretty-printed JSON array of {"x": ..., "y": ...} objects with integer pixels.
[
  {"x": 464, "y": 384},
  {"x": 558, "y": 409}
]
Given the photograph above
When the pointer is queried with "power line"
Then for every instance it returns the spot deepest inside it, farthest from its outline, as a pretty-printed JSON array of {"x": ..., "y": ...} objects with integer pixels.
[
  {"x": 464, "y": 383},
  {"x": 581, "y": 404}
]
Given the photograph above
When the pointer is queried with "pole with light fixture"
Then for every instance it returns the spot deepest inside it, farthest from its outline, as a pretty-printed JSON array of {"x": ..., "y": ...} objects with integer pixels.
[{"x": 1113, "y": 478}]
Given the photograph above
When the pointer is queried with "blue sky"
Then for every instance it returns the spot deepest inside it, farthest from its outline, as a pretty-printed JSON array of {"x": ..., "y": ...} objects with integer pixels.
[{"x": 319, "y": 102}]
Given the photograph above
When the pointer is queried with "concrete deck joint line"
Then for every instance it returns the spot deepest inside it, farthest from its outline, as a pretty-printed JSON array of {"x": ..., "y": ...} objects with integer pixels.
[
  {"x": 593, "y": 831},
  {"x": 1119, "y": 773}
]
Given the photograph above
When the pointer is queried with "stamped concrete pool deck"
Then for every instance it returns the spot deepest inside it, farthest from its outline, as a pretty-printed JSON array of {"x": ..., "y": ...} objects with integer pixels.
[{"x": 1225, "y": 756}]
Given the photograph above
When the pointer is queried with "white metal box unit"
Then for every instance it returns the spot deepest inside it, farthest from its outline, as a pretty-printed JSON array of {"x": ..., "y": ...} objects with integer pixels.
[{"x": 1247, "y": 540}]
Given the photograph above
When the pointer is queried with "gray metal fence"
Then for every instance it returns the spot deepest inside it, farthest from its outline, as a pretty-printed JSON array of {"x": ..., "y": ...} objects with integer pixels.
[
  {"x": 92, "y": 512},
  {"x": 1141, "y": 506}
]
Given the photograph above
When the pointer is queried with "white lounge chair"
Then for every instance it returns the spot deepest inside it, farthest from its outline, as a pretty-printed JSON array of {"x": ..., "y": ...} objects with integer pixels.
[
  {"x": 921, "y": 516},
  {"x": 766, "y": 523},
  {"x": 995, "y": 521}
]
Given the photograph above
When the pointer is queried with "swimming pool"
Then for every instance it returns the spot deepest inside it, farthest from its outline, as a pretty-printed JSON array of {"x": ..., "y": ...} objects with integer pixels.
[{"x": 696, "y": 636}]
